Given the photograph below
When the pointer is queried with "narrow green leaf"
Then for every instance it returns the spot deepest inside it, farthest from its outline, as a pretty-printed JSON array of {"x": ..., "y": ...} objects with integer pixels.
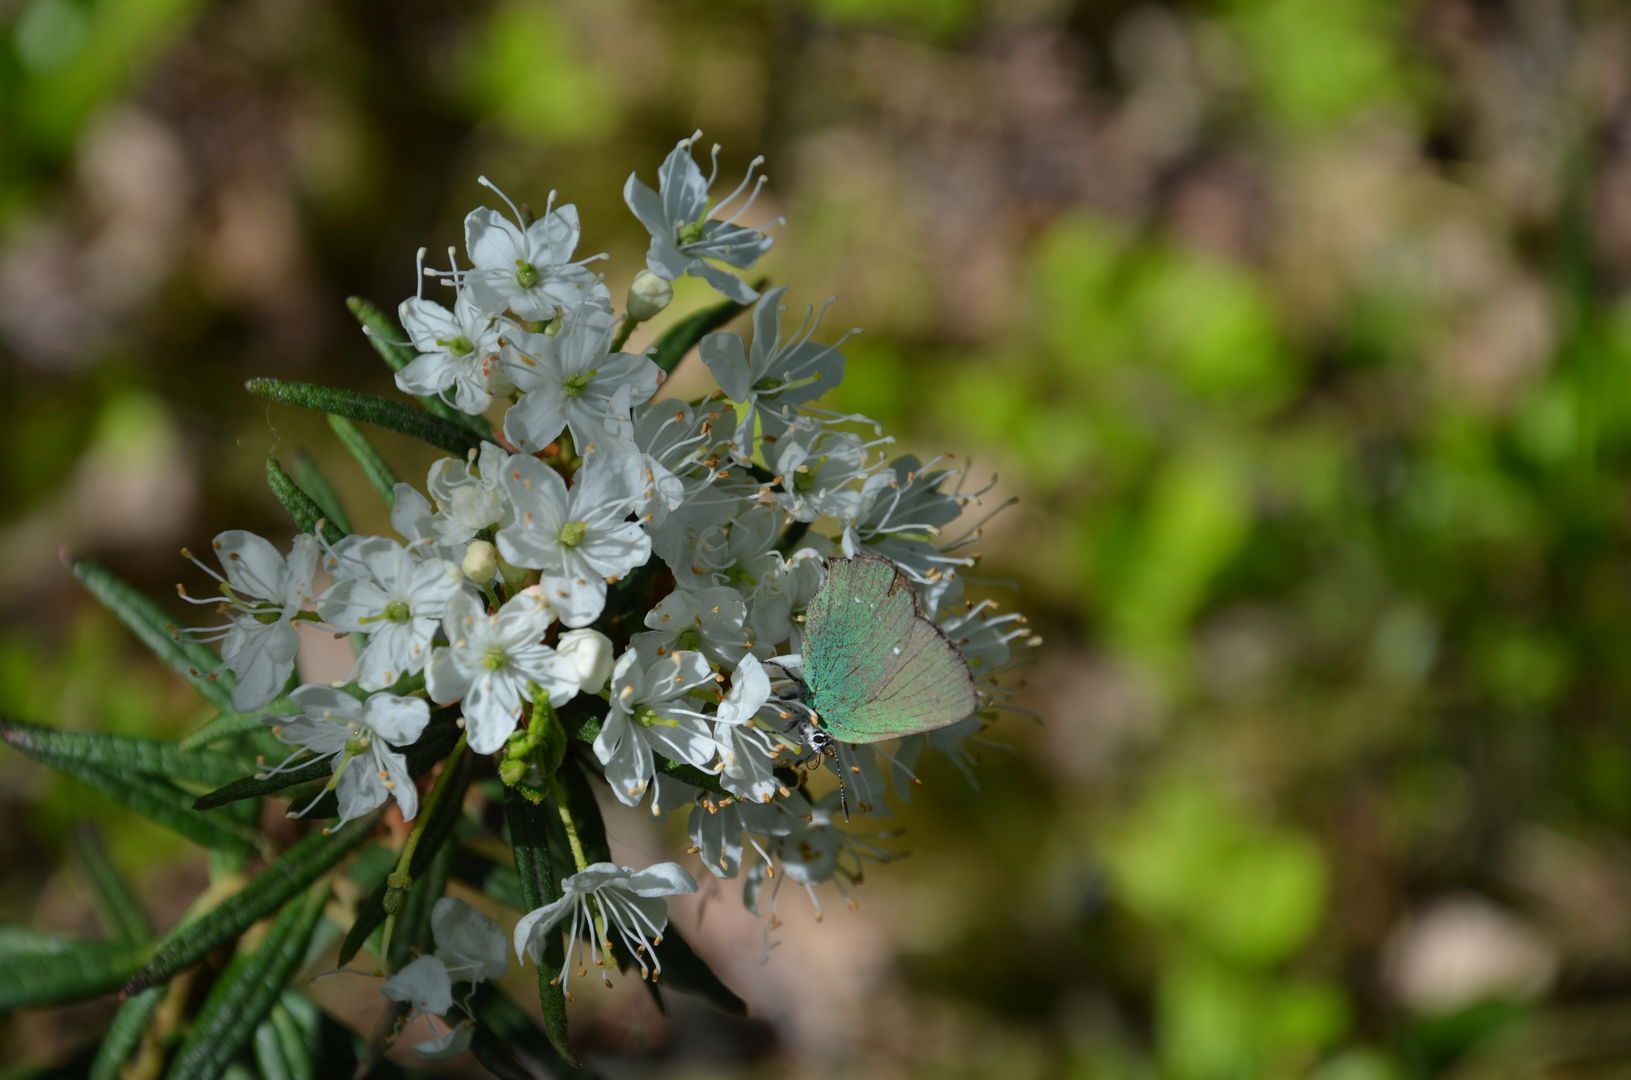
[
  {"x": 308, "y": 516},
  {"x": 381, "y": 412},
  {"x": 191, "y": 660},
  {"x": 383, "y": 335},
  {"x": 124, "y": 1034},
  {"x": 154, "y": 799},
  {"x": 373, "y": 466},
  {"x": 121, "y": 911},
  {"x": 246, "y": 992},
  {"x": 314, "y": 483},
  {"x": 540, "y": 884},
  {"x": 492, "y": 879},
  {"x": 298, "y": 867},
  {"x": 503, "y": 1025},
  {"x": 154, "y": 757},
  {"x": 226, "y": 726},
  {"x": 297, "y": 1039},
  {"x": 47, "y": 969},
  {"x": 683, "y": 335},
  {"x": 268, "y": 1047},
  {"x": 252, "y": 787},
  {"x": 438, "y": 829}
]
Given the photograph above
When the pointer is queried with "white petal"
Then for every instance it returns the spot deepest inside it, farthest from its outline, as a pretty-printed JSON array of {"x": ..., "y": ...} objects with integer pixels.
[
  {"x": 424, "y": 983},
  {"x": 467, "y": 939},
  {"x": 399, "y": 720},
  {"x": 663, "y": 879}
]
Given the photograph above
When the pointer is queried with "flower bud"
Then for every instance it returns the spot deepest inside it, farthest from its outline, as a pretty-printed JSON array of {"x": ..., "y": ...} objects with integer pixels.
[
  {"x": 648, "y": 295},
  {"x": 480, "y": 562},
  {"x": 589, "y": 653}
]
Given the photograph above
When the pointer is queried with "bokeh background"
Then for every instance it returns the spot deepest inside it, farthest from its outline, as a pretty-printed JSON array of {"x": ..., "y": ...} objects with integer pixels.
[{"x": 1298, "y": 329}]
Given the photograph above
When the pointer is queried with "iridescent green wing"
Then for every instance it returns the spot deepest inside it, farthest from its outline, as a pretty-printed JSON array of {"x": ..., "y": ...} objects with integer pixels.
[{"x": 874, "y": 667}]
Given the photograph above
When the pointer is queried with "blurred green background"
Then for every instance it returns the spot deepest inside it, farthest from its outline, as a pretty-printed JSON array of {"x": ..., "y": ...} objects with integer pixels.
[{"x": 1297, "y": 327}]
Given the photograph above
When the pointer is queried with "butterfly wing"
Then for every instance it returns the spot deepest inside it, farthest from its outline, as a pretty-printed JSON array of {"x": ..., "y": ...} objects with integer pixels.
[{"x": 875, "y": 667}]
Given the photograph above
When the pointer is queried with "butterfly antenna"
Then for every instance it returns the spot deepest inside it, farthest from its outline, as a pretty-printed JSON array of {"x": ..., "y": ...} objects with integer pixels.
[{"x": 843, "y": 795}]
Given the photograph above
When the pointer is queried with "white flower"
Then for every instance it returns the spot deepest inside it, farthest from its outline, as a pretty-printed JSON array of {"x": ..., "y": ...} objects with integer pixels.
[
  {"x": 573, "y": 380},
  {"x": 781, "y": 588},
  {"x": 357, "y": 736},
  {"x": 458, "y": 350},
  {"x": 264, "y": 592},
  {"x": 901, "y": 518},
  {"x": 710, "y": 620},
  {"x": 489, "y": 661},
  {"x": 816, "y": 469},
  {"x": 471, "y": 948},
  {"x": 469, "y": 495},
  {"x": 529, "y": 272},
  {"x": 631, "y": 904},
  {"x": 773, "y": 374},
  {"x": 424, "y": 983},
  {"x": 813, "y": 851},
  {"x": 747, "y": 754},
  {"x": 683, "y": 234},
  {"x": 579, "y": 538},
  {"x": 589, "y": 655},
  {"x": 652, "y": 712},
  {"x": 705, "y": 542},
  {"x": 396, "y": 598},
  {"x": 722, "y": 831},
  {"x": 468, "y": 942}
]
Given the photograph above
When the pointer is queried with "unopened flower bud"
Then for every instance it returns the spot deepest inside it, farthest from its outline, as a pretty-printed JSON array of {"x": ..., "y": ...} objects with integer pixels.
[
  {"x": 480, "y": 562},
  {"x": 648, "y": 295},
  {"x": 589, "y": 653}
]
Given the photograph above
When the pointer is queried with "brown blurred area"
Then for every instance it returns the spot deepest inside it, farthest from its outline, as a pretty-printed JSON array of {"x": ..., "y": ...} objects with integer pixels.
[{"x": 1298, "y": 330}]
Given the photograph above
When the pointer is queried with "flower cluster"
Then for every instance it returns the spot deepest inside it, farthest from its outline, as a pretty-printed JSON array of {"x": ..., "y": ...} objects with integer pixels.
[{"x": 630, "y": 566}]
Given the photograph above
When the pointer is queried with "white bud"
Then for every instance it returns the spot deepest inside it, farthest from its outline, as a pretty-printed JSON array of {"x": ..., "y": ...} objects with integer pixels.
[
  {"x": 648, "y": 295},
  {"x": 589, "y": 652},
  {"x": 480, "y": 562}
]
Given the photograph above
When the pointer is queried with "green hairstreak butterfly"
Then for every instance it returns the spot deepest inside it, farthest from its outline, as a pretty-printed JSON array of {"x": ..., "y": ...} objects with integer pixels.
[{"x": 874, "y": 667}]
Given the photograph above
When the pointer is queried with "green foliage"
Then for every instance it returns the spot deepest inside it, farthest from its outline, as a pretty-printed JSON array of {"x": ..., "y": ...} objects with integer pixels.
[{"x": 381, "y": 412}]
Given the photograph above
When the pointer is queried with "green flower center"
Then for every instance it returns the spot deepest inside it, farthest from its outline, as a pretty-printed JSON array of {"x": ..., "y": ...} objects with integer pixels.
[
  {"x": 458, "y": 346},
  {"x": 689, "y": 638},
  {"x": 690, "y": 234},
  {"x": 495, "y": 658},
  {"x": 646, "y": 716},
  {"x": 804, "y": 480},
  {"x": 573, "y": 385},
  {"x": 739, "y": 577},
  {"x": 357, "y": 744},
  {"x": 526, "y": 274},
  {"x": 397, "y": 611},
  {"x": 572, "y": 533}
]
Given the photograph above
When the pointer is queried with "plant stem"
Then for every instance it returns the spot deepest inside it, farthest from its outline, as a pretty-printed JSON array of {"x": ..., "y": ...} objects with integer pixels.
[
  {"x": 401, "y": 879},
  {"x": 558, "y": 793}
]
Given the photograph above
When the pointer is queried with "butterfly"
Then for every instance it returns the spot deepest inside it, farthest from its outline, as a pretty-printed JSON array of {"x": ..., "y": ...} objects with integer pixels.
[{"x": 874, "y": 667}]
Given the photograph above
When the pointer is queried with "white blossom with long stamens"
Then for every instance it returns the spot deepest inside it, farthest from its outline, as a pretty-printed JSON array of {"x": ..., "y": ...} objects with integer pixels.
[
  {"x": 577, "y": 538},
  {"x": 684, "y": 232},
  {"x": 525, "y": 268},
  {"x": 490, "y": 660},
  {"x": 608, "y": 899},
  {"x": 774, "y": 373},
  {"x": 356, "y": 736},
  {"x": 263, "y": 592},
  {"x": 652, "y": 712}
]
